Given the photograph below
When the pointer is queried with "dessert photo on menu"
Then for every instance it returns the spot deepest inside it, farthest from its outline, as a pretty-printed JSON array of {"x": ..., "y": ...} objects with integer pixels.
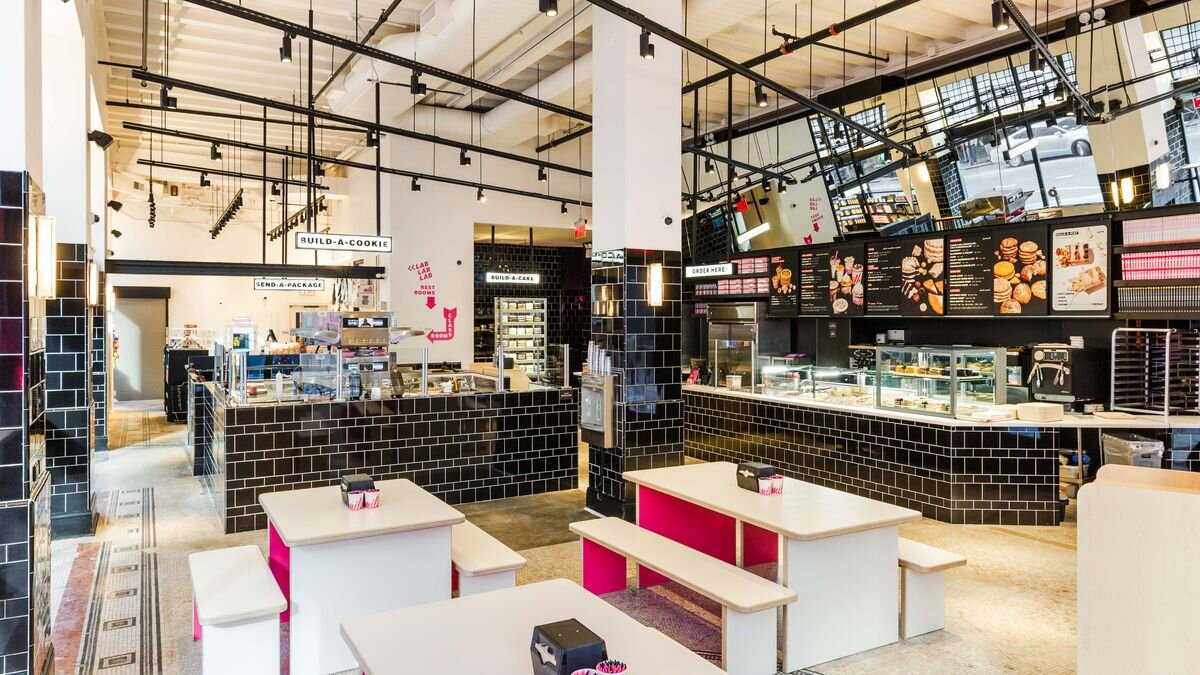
[
  {"x": 1080, "y": 269},
  {"x": 923, "y": 278},
  {"x": 846, "y": 290},
  {"x": 1019, "y": 284}
]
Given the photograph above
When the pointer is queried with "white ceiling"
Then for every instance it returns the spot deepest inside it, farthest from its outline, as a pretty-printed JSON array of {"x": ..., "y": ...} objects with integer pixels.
[{"x": 514, "y": 45}]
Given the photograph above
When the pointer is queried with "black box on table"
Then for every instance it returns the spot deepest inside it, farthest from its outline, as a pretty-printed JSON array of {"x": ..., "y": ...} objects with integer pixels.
[
  {"x": 562, "y": 647},
  {"x": 355, "y": 482},
  {"x": 748, "y": 474}
]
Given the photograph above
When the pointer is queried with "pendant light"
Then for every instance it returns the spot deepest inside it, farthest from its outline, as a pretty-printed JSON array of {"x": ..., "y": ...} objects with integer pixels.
[
  {"x": 562, "y": 208},
  {"x": 646, "y": 47},
  {"x": 1060, "y": 92},
  {"x": 760, "y": 96},
  {"x": 1036, "y": 62},
  {"x": 204, "y": 181},
  {"x": 463, "y": 158},
  {"x": 480, "y": 196},
  {"x": 548, "y": 7},
  {"x": 999, "y": 16},
  {"x": 415, "y": 86},
  {"x": 541, "y": 175},
  {"x": 285, "y": 49},
  {"x": 214, "y": 153},
  {"x": 709, "y": 167}
]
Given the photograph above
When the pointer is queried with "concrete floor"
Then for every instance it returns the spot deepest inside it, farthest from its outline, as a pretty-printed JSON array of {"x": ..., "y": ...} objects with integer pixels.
[{"x": 1011, "y": 610}]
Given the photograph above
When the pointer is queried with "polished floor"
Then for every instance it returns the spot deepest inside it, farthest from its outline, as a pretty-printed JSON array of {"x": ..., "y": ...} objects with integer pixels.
[{"x": 122, "y": 597}]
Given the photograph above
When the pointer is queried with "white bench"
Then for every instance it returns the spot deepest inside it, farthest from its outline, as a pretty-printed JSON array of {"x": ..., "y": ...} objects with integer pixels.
[
  {"x": 749, "y": 637},
  {"x": 923, "y": 587},
  {"x": 481, "y": 562},
  {"x": 238, "y": 603}
]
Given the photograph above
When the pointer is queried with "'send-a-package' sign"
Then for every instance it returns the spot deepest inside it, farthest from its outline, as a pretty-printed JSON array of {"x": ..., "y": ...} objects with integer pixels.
[
  {"x": 283, "y": 284},
  {"x": 343, "y": 242}
]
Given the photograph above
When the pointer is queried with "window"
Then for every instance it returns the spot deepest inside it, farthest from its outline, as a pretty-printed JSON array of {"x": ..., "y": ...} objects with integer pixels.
[
  {"x": 1181, "y": 44},
  {"x": 1012, "y": 87}
]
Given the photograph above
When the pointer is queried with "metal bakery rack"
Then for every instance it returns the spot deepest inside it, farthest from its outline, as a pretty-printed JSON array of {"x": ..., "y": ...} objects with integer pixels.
[{"x": 1155, "y": 370}]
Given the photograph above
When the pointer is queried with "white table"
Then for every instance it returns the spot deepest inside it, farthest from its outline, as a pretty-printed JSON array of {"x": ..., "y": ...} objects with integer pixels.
[
  {"x": 838, "y": 551},
  {"x": 490, "y": 633},
  {"x": 334, "y": 563}
]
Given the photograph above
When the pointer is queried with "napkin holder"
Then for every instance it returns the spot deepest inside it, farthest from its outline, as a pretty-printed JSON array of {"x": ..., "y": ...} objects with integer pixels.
[
  {"x": 748, "y": 474},
  {"x": 353, "y": 483},
  {"x": 563, "y": 647}
]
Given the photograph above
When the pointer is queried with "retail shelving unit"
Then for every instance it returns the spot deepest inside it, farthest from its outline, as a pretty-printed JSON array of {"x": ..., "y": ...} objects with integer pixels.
[
  {"x": 521, "y": 330},
  {"x": 1160, "y": 268}
]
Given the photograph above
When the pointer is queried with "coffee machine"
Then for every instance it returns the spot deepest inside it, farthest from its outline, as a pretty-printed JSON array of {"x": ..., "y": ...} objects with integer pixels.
[{"x": 1050, "y": 377}]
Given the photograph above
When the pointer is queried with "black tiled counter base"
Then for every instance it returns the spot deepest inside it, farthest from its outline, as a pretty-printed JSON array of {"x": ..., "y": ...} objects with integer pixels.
[
  {"x": 461, "y": 448},
  {"x": 961, "y": 475},
  {"x": 201, "y": 398}
]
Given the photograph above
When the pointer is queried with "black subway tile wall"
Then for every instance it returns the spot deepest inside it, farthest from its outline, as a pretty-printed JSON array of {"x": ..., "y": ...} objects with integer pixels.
[
  {"x": 947, "y": 185},
  {"x": 99, "y": 371},
  {"x": 213, "y": 475},
  {"x": 199, "y": 425},
  {"x": 461, "y": 448},
  {"x": 67, "y": 394},
  {"x": 646, "y": 346},
  {"x": 1181, "y": 189},
  {"x": 564, "y": 284},
  {"x": 961, "y": 475}
]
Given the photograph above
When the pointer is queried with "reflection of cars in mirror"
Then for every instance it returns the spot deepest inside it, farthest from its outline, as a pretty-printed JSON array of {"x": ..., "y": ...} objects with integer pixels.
[{"x": 1059, "y": 140}]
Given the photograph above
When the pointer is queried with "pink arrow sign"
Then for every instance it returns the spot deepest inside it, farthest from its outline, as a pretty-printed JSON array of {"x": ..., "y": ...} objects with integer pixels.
[
  {"x": 430, "y": 302},
  {"x": 448, "y": 333}
]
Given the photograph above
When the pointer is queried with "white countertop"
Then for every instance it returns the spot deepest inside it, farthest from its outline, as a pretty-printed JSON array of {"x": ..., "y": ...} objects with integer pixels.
[
  {"x": 803, "y": 511},
  {"x": 318, "y": 516},
  {"x": 1072, "y": 421},
  {"x": 233, "y": 584},
  {"x": 491, "y": 632}
]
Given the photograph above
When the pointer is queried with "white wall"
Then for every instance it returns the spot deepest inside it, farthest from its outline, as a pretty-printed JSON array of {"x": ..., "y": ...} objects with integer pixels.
[
  {"x": 437, "y": 226},
  {"x": 21, "y": 82},
  {"x": 65, "y": 120}
]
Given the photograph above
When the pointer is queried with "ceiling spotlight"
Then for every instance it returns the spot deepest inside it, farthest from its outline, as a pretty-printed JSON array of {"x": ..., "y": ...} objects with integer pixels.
[
  {"x": 548, "y": 7},
  {"x": 318, "y": 170},
  {"x": 214, "y": 153},
  {"x": 285, "y": 49},
  {"x": 115, "y": 205},
  {"x": 415, "y": 86},
  {"x": 563, "y": 208},
  {"x": 733, "y": 174},
  {"x": 415, "y": 186},
  {"x": 760, "y": 96},
  {"x": 204, "y": 181},
  {"x": 999, "y": 16},
  {"x": 463, "y": 158},
  {"x": 274, "y": 189},
  {"x": 372, "y": 140},
  {"x": 100, "y": 138},
  {"x": 766, "y": 184},
  {"x": 480, "y": 196},
  {"x": 165, "y": 100},
  {"x": 1060, "y": 92},
  {"x": 646, "y": 48},
  {"x": 783, "y": 187},
  {"x": 1036, "y": 62},
  {"x": 541, "y": 174},
  {"x": 709, "y": 167},
  {"x": 116, "y": 234}
]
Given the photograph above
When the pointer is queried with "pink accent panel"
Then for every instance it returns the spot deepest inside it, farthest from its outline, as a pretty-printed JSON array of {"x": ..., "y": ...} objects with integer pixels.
[
  {"x": 603, "y": 570},
  {"x": 195, "y": 621},
  {"x": 758, "y": 545},
  {"x": 691, "y": 525},
  {"x": 453, "y": 578},
  {"x": 279, "y": 558},
  {"x": 648, "y": 577}
]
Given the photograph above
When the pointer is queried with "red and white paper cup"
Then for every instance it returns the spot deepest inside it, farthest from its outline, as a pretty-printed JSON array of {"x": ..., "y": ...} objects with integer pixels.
[
  {"x": 371, "y": 498},
  {"x": 764, "y": 486},
  {"x": 355, "y": 499},
  {"x": 777, "y": 484}
]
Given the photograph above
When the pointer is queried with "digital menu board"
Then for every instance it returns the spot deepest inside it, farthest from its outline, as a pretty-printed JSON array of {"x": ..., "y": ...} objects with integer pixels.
[
  {"x": 814, "y": 287},
  {"x": 883, "y": 277},
  {"x": 785, "y": 293},
  {"x": 833, "y": 281},
  {"x": 1019, "y": 271},
  {"x": 923, "y": 277},
  {"x": 1080, "y": 269},
  {"x": 969, "y": 260}
]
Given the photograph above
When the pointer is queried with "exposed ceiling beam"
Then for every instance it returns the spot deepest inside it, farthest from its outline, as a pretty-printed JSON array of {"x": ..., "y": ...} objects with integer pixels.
[
  {"x": 230, "y": 174},
  {"x": 225, "y": 269},
  {"x": 1018, "y": 18},
  {"x": 366, "y": 39}
]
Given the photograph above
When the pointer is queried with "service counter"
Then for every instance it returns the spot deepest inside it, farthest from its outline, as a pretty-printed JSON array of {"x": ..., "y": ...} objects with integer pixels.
[
  {"x": 461, "y": 447},
  {"x": 953, "y": 470}
]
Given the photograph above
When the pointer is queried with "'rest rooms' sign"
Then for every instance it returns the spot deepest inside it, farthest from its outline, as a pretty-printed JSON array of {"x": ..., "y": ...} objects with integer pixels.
[
  {"x": 343, "y": 242},
  {"x": 267, "y": 284}
]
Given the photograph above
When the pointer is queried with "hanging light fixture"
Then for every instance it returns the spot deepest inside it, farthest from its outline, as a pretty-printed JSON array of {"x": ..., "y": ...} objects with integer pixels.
[
  {"x": 760, "y": 96},
  {"x": 646, "y": 47},
  {"x": 709, "y": 167},
  {"x": 563, "y": 208},
  {"x": 214, "y": 153},
  {"x": 285, "y": 49},
  {"x": 204, "y": 181},
  {"x": 541, "y": 174},
  {"x": 415, "y": 186},
  {"x": 274, "y": 189},
  {"x": 1060, "y": 92},
  {"x": 1036, "y": 62},
  {"x": 463, "y": 158},
  {"x": 548, "y": 7},
  {"x": 165, "y": 100},
  {"x": 415, "y": 86},
  {"x": 999, "y": 16},
  {"x": 480, "y": 196},
  {"x": 782, "y": 187},
  {"x": 733, "y": 174}
]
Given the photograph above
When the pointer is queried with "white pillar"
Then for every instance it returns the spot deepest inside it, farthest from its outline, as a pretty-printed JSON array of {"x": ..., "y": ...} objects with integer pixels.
[
  {"x": 637, "y": 112},
  {"x": 21, "y": 82},
  {"x": 65, "y": 119}
]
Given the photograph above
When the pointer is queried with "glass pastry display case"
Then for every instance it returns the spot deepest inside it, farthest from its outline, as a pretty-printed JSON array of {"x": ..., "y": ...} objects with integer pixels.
[
  {"x": 943, "y": 381},
  {"x": 846, "y": 386}
]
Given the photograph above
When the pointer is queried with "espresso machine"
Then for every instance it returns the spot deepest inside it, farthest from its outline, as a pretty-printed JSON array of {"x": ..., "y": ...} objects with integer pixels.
[
  {"x": 1050, "y": 372},
  {"x": 367, "y": 361}
]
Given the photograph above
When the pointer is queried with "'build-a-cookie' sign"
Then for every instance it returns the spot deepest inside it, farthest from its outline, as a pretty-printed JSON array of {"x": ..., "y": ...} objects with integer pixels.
[{"x": 343, "y": 242}]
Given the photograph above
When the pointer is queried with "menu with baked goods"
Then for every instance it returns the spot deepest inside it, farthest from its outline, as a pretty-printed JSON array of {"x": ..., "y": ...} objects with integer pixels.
[
  {"x": 1080, "y": 269},
  {"x": 884, "y": 277},
  {"x": 923, "y": 277},
  {"x": 1019, "y": 265},
  {"x": 969, "y": 259},
  {"x": 785, "y": 293}
]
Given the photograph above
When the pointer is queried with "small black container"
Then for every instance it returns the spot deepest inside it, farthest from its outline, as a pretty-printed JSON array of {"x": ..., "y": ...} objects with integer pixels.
[
  {"x": 748, "y": 474},
  {"x": 562, "y": 647},
  {"x": 355, "y": 482}
]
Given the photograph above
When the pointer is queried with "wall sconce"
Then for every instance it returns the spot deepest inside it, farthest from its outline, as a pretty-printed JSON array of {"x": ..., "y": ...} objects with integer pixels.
[
  {"x": 43, "y": 243},
  {"x": 93, "y": 293},
  {"x": 1162, "y": 176},
  {"x": 1127, "y": 190},
  {"x": 655, "y": 282}
]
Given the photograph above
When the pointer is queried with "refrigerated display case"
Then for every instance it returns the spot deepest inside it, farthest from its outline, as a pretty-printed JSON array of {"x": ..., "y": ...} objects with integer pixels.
[{"x": 942, "y": 381}]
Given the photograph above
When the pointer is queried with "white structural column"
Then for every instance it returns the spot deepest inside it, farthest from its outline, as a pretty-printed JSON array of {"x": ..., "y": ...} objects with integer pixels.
[
  {"x": 21, "y": 82},
  {"x": 65, "y": 159},
  {"x": 636, "y": 111}
]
